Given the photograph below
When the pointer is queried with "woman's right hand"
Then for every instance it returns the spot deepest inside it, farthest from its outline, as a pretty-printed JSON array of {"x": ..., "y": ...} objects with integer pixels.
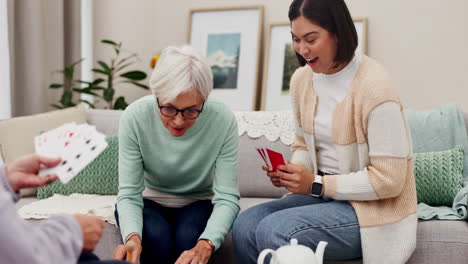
[
  {"x": 274, "y": 178},
  {"x": 130, "y": 252}
]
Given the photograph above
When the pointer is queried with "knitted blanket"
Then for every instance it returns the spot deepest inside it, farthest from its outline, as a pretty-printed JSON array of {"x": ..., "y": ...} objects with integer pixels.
[{"x": 438, "y": 130}]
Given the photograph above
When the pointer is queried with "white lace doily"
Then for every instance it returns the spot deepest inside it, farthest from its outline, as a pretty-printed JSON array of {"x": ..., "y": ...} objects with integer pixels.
[
  {"x": 271, "y": 124},
  {"x": 88, "y": 204}
]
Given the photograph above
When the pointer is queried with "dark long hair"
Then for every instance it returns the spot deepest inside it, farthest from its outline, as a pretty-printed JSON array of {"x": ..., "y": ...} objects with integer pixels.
[{"x": 334, "y": 16}]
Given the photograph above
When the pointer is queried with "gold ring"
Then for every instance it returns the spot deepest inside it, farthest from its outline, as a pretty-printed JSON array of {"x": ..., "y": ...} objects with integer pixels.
[{"x": 195, "y": 259}]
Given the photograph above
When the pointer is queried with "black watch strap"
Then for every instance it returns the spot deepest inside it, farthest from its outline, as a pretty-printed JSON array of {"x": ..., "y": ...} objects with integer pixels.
[{"x": 317, "y": 186}]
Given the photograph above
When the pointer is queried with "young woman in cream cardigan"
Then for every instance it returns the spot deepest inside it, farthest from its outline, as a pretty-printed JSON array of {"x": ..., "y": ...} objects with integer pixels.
[{"x": 351, "y": 174}]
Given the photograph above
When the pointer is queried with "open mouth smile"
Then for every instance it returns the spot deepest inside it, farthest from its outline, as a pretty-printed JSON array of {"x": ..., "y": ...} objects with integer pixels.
[{"x": 312, "y": 62}]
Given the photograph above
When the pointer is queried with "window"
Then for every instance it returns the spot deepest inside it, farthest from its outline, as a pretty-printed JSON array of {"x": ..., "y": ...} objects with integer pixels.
[{"x": 5, "y": 89}]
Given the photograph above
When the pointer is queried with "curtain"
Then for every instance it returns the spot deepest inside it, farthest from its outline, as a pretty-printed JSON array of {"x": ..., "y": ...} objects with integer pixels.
[
  {"x": 46, "y": 37},
  {"x": 5, "y": 87}
]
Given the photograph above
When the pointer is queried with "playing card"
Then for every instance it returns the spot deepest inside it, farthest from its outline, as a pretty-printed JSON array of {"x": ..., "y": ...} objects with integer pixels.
[
  {"x": 50, "y": 143},
  {"x": 276, "y": 159},
  {"x": 260, "y": 151},
  {"x": 272, "y": 158},
  {"x": 76, "y": 145}
]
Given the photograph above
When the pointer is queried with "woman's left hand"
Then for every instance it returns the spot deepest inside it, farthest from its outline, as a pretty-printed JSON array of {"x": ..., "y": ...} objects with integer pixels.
[
  {"x": 200, "y": 254},
  {"x": 296, "y": 178}
]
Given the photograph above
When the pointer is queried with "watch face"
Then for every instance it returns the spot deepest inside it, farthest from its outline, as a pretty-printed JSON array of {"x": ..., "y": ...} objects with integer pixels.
[{"x": 316, "y": 188}]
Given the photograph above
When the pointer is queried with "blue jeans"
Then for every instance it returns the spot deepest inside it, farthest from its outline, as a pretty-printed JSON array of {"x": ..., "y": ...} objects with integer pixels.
[
  {"x": 303, "y": 217},
  {"x": 167, "y": 232}
]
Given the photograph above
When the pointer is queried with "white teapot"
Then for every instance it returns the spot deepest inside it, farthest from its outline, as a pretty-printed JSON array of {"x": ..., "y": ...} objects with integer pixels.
[{"x": 294, "y": 254}]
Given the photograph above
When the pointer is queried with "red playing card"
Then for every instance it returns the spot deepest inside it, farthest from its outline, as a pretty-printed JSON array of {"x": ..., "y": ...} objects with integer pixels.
[
  {"x": 275, "y": 158},
  {"x": 261, "y": 154}
]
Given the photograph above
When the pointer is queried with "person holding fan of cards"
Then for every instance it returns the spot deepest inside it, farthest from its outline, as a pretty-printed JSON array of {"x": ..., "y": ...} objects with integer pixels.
[
  {"x": 178, "y": 193},
  {"x": 351, "y": 174},
  {"x": 61, "y": 239}
]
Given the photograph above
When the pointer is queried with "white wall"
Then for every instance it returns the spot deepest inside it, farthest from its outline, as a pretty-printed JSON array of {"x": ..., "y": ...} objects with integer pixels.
[
  {"x": 5, "y": 88},
  {"x": 423, "y": 43}
]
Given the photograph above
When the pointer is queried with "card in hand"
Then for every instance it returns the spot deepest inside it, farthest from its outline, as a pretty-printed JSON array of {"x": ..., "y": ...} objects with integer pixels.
[
  {"x": 272, "y": 158},
  {"x": 76, "y": 145}
]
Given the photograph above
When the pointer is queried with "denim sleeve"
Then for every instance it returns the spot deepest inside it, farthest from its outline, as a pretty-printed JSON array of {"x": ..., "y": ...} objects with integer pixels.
[{"x": 56, "y": 240}]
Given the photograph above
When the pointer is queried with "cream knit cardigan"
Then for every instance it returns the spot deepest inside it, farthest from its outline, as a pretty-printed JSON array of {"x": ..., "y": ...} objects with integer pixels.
[{"x": 374, "y": 148}]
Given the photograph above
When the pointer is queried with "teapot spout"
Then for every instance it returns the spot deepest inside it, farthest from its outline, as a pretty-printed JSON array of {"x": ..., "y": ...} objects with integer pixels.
[{"x": 320, "y": 251}]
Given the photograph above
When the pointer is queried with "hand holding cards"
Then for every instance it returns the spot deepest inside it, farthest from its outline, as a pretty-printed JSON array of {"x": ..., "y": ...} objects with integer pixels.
[
  {"x": 76, "y": 145},
  {"x": 272, "y": 158}
]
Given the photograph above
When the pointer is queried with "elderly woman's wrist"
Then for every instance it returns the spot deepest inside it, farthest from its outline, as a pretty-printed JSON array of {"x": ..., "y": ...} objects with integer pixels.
[
  {"x": 208, "y": 244},
  {"x": 134, "y": 237}
]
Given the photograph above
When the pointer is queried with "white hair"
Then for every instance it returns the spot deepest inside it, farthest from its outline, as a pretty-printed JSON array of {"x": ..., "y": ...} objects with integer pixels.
[{"x": 180, "y": 70}]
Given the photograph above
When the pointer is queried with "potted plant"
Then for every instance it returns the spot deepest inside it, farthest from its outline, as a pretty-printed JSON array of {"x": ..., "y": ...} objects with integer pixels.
[{"x": 110, "y": 74}]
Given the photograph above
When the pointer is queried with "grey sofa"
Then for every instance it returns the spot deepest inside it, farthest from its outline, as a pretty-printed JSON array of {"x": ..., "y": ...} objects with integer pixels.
[{"x": 437, "y": 241}]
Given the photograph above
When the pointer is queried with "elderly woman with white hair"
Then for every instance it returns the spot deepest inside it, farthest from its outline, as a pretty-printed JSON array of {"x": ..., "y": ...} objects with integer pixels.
[{"x": 178, "y": 193}]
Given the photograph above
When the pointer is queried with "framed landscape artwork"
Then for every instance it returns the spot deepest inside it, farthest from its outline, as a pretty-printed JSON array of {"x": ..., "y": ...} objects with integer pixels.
[
  {"x": 230, "y": 39},
  {"x": 280, "y": 62}
]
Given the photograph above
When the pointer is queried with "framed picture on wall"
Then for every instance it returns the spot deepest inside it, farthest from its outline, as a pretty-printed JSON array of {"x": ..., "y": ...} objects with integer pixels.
[
  {"x": 280, "y": 62},
  {"x": 361, "y": 27},
  {"x": 230, "y": 39}
]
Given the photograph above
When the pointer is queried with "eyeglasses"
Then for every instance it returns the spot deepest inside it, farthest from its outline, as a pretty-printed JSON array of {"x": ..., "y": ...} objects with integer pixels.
[{"x": 170, "y": 111}]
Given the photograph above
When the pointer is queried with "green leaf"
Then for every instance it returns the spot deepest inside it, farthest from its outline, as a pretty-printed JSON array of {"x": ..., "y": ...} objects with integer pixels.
[
  {"x": 66, "y": 99},
  {"x": 139, "y": 84},
  {"x": 88, "y": 103},
  {"x": 123, "y": 66},
  {"x": 56, "y": 85},
  {"x": 120, "y": 103},
  {"x": 76, "y": 62},
  {"x": 80, "y": 81},
  {"x": 100, "y": 71},
  {"x": 96, "y": 88},
  {"x": 134, "y": 75},
  {"x": 85, "y": 91},
  {"x": 104, "y": 66},
  {"x": 69, "y": 72},
  {"x": 106, "y": 41},
  {"x": 125, "y": 59},
  {"x": 98, "y": 81},
  {"x": 108, "y": 95}
]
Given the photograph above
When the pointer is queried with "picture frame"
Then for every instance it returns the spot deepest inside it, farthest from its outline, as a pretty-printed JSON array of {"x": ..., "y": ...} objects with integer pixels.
[
  {"x": 278, "y": 69},
  {"x": 230, "y": 39},
  {"x": 361, "y": 27}
]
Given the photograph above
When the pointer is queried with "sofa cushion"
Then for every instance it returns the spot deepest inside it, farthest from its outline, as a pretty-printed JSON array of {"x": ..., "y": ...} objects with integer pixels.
[
  {"x": 439, "y": 176},
  {"x": 253, "y": 181},
  {"x": 105, "y": 121},
  {"x": 17, "y": 134},
  {"x": 99, "y": 177}
]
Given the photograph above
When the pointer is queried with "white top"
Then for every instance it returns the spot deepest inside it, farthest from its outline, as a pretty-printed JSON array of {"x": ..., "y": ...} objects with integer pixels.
[
  {"x": 331, "y": 89},
  {"x": 170, "y": 200}
]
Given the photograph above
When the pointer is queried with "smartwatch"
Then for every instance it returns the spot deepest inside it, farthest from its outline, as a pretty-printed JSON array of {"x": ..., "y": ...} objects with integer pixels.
[{"x": 316, "y": 187}]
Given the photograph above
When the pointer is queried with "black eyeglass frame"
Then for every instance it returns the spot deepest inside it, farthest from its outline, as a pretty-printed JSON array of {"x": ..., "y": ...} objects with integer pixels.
[{"x": 182, "y": 111}]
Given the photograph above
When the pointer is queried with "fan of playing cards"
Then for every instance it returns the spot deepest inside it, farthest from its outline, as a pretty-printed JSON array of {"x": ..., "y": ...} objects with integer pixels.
[
  {"x": 76, "y": 145},
  {"x": 272, "y": 158}
]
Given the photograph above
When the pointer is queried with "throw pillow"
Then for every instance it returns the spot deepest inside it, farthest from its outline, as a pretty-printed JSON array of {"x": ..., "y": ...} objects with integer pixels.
[
  {"x": 17, "y": 134},
  {"x": 439, "y": 176},
  {"x": 99, "y": 177}
]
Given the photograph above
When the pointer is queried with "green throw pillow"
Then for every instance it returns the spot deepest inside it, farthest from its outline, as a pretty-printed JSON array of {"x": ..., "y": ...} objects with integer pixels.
[
  {"x": 99, "y": 177},
  {"x": 439, "y": 176}
]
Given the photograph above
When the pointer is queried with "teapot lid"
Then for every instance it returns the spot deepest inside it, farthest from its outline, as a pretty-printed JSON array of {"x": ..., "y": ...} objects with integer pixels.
[{"x": 295, "y": 253}]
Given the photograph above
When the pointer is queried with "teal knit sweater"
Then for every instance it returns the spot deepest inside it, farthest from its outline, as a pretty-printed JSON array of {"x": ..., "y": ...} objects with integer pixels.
[{"x": 202, "y": 162}]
